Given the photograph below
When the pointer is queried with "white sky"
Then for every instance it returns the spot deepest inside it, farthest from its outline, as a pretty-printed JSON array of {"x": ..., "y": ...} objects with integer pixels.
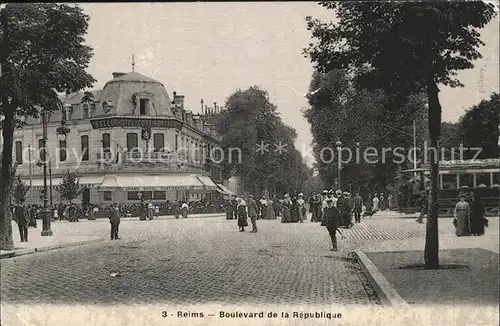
[{"x": 208, "y": 50}]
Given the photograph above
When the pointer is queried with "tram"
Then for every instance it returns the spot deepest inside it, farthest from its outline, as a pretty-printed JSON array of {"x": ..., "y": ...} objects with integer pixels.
[{"x": 457, "y": 176}]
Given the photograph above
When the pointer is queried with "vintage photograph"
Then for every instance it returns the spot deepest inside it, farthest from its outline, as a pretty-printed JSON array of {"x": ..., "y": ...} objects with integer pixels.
[{"x": 250, "y": 163}]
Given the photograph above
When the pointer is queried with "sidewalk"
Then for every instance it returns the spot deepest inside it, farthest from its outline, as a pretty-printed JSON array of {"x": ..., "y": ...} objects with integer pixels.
[
  {"x": 37, "y": 243},
  {"x": 468, "y": 273}
]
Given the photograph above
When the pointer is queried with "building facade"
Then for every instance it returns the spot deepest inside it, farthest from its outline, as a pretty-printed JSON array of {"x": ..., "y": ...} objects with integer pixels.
[{"x": 128, "y": 141}]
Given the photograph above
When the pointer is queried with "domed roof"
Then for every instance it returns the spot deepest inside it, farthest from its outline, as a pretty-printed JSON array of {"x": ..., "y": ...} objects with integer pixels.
[{"x": 133, "y": 77}]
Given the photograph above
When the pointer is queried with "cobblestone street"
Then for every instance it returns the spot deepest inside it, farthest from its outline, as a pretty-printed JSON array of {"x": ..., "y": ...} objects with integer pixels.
[{"x": 200, "y": 261}]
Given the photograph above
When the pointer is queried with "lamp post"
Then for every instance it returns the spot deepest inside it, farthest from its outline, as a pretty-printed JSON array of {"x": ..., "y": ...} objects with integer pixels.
[
  {"x": 46, "y": 230},
  {"x": 339, "y": 150}
]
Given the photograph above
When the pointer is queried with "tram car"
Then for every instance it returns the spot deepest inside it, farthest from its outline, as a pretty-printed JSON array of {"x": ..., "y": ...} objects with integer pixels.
[{"x": 455, "y": 177}]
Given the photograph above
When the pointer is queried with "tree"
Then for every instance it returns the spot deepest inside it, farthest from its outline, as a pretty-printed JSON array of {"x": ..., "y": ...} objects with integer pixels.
[
  {"x": 404, "y": 48},
  {"x": 451, "y": 137},
  {"x": 479, "y": 127},
  {"x": 69, "y": 188},
  {"x": 41, "y": 53},
  {"x": 20, "y": 190},
  {"x": 339, "y": 110},
  {"x": 250, "y": 120}
]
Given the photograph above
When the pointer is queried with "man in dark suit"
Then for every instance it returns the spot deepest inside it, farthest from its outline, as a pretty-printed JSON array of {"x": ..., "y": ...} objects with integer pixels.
[
  {"x": 21, "y": 218},
  {"x": 331, "y": 221},
  {"x": 114, "y": 219},
  {"x": 253, "y": 213},
  {"x": 358, "y": 206}
]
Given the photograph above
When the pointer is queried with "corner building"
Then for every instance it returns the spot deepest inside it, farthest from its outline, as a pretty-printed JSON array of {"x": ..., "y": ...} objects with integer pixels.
[{"x": 126, "y": 141}]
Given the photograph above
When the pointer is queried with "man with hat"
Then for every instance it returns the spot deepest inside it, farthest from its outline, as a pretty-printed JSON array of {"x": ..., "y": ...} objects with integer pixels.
[
  {"x": 357, "y": 207},
  {"x": 331, "y": 221},
  {"x": 114, "y": 220},
  {"x": 253, "y": 212},
  {"x": 345, "y": 211},
  {"x": 22, "y": 220},
  {"x": 301, "y": 206}
]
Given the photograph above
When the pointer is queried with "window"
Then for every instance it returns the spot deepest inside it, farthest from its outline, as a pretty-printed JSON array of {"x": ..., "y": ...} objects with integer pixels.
[
  {"x": 19, "y": 152},
  {"x": 85, "y": 109},
  {"x": 106, "y": 142},
  {"x": 158, "y": 142},
  {"x": 147, "y": 195},
  {"x": 132, "y": 141},
  {"x": 143, "y": 105},
  {"x": 40, "y": 149},
  {"x": 85, "y": 147},
  {"x": 62, "y": 151},
  {"x": 107, "y": 196},
  {"x": 133, "y": 195},
  {"x": 159, "y": 195}
]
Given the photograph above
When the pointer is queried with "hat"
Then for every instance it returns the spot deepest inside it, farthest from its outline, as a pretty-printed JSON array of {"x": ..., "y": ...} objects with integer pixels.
[
  {"x": 251, "y": 196},
  {"x": 345, "y": 193},
  {"x": 300, "y": 195},
  {"x": 338, "y": 192},
  {"x": 325, "y": 192},
  {"x": 286, "y": 196}
]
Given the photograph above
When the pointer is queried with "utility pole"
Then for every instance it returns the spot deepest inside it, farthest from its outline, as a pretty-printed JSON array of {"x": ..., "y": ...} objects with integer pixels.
[{"x": 414, "y": 150}]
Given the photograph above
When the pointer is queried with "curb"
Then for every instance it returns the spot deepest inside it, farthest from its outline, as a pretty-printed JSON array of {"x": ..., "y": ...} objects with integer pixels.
[
  {"x": 386, "y": 293},
  {"x": 47, "y": 248}
]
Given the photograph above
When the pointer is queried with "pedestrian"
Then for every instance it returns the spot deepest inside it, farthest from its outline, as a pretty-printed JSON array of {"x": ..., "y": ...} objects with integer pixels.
[
  {"x": 276, "y": 206},
  {"x": 176, "y": 209},
  {"x": 332, "y": 221},
  {"x": 184, "y": 209},
  {"x": 301, "y": 206},
  {"x": 114, "y": 220},
  {"x": 477, "y": 219},
  {"x": 271, "y": 213},
  {"x": 462, "y": 217},
  {"x": 285, "y": 209},
  {"x": 241, "y": 212},
  {"x": 375, "y": 203},
  {"x": 22, "y": 221},
  {"x": 390, "y": 199},
  {"x": 424, "y": 206},
  {"x": 229, "y": 210},
  {"x": 344, "y": 206},
  {"x": 252, "y": 213},
  {"x": 358, "y": 206}
]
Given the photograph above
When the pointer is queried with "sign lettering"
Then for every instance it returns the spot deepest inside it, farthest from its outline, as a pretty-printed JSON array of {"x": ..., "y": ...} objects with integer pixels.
[{"x": 130, "y": 122}]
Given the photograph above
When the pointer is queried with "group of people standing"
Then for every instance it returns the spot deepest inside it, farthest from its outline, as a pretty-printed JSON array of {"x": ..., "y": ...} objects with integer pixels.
[{"x": 469, "y": 219}]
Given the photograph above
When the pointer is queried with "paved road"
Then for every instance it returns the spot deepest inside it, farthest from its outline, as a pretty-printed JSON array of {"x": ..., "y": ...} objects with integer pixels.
[{"x": 200, "y": 261}]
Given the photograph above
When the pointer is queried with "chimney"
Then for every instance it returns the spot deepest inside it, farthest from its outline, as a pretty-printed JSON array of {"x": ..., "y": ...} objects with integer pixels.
[
  {"x": 206, "y": 109},
  {"x": 215, "y": 107},
  {"x": 179, "y": 100},
  {"x": 118, "y": 74},
  {"x": 201, "y": 106}
]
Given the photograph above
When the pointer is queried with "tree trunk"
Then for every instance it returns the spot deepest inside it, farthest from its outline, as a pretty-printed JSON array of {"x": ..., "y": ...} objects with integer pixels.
[
  {"x": 6, "y": 242},
  {"x": 431, "y": 252}
]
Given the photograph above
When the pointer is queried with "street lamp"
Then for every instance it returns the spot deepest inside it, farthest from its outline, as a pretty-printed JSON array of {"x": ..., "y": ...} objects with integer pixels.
[
  {"x": 339, "y": 150},
  {"x": 45, "y": 212}
]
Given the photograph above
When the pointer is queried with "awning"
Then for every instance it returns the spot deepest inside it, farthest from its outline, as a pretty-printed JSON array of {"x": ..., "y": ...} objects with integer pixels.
[
  {"x": 151, "y": 182},
  {"x": 87, "y": 181},
  {"x": 207, "y": 182},
  {"x": 225, "y": 190}
]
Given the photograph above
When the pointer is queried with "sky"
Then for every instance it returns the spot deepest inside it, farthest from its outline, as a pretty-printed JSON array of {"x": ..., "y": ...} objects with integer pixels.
[{"x": 209, "y": 50}]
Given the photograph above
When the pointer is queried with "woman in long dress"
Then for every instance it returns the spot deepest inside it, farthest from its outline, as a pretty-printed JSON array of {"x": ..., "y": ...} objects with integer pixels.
[
  {"x": 285, "y": 209},
  {"x": 375, "y": 203},
  {"x": 477, "y": 220},
  {"x": 462, "y": 217},
  {"x": 241, "y": 212}
]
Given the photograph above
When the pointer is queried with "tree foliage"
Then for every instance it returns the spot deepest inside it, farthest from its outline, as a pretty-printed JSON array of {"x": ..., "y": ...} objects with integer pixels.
[
  {"x": 41, "y": 54},
  {"x": 250, "y": 120},
  {"x": 404, "y": 48},
  {"x": 479, "y": 127},
  {"x": 70, "y": 187},
  {"x": 359, "y": 118}
]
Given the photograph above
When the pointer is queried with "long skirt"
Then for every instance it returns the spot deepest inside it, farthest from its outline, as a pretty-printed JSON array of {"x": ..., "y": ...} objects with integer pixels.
[
  {"x": 286, "y": 215},
  {"x": 184, "y": 212},
  {"x": 294, "y": 215},
  {"x": 271, "y": 213},
  {"x": 476, "y": 223},
  {"x": 242, "y": 221},
  {"x": 463, "y": 223}
]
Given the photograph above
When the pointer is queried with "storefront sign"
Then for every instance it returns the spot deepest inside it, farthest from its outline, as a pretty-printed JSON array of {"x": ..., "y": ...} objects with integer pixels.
[{"x": 133, "y": 122}]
